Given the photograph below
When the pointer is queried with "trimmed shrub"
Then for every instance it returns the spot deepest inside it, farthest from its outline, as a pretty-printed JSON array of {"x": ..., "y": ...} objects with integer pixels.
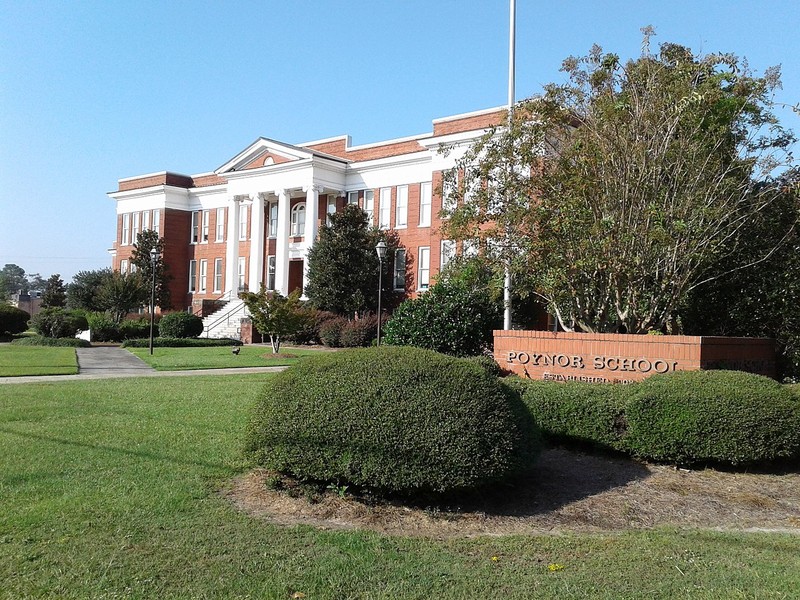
[
  {"x": 13, "y": 320},
  {"x": 59, "y": 323},
  {"x": 397, "y": 420},
  {"x": 38, "y": 340},
  {"x": 330, "y": 332},
  {"x": 451, "y": 317},
  {"x": 577, "y": 412},
  {"x": 137, "y": 328},
  {"x": 727, "y": 417},
  {"x": 165, "y": 342},
  {"x": 103, "y": 328},
  {"x": 180, "y": 325},
  {"x": 359, "y": 333}
]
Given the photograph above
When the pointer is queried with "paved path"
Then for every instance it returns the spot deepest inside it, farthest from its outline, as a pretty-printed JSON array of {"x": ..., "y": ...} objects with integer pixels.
[{"x": 105, "y": 362}]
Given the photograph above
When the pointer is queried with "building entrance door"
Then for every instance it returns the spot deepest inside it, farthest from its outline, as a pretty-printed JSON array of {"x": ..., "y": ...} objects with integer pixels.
[{"x": 296, "y": 275}]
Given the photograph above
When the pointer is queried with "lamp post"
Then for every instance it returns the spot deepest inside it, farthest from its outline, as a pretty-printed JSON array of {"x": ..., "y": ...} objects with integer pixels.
[
  {"x": 153, "y": 260},
  {"x": 380, "y": 249}
]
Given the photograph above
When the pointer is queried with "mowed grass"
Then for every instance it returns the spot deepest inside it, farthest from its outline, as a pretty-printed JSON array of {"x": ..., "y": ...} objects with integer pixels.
[
  {"x": 18, "y": 361},
  {"x": 109, "y": 489},
  {"x": 220, "y": 357}
]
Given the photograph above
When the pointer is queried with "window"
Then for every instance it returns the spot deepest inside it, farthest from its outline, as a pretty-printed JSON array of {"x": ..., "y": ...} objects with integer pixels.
[
  {"x": 330, "y": 210},
  {"x": 242, "y": 273},
  {"x": 156, "y": 220},
  {"x": 135, "y": 228},
  {"x": 470, "y": 248},
  {"x": 243, "y": 222},
  {"x": 399, "y": 269},
  {"x": 273, "y": 219},
  {"x": 270, "y": 272},
  {"x": 217, "y": 274},
  {"x": 472, "y": 183},
  {"x": 192, "y": 276},
  {"x": 206, "y": 217},
  {"x": 352, "y": 198},
  {"x": 133, "y": 267},
  {"x": 298, "y": 221},
  {"x": 447, "y": 253},
  {"x": 203, "y": 275},
  {"x": 145, "y": 220},
  {"x": 424, "y": 272},
  {"x": 425, "y": 204},
  {"x": 220, "y": 235},
  {"x": 385, "y": 208},
  {"x": 449, "y": 190},
  {"x": 401, "y": 207},
  {"x": 369, "y": 204},
  {"x": 123, "y": 266},
  {"x": 126, "y": 229},
  {"x": 195, "y": 227}
]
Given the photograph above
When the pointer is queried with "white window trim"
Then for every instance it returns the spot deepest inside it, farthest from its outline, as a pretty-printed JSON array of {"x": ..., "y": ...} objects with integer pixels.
[
  {"x": 425, "y": 203},
  {"x": 156, "y": 221},
  {"x": 125, "y": 240},
  {"x": 203, "y": 284},
  {"x": 145, "y": 220},
  {"x": 194, "y": 232},
  {"x": 243, "y": 223},
  {"x": 204, "y": 227},
  {"x": 447, "y": 252},
  {"x": 401, "y": 208},
  {"x": 272, "y": 230},
  {"x": 192, "y": 276},
  {"x": 219, "y": 276},
  {"x": 296, "y": 228},
  {"x": 330, "y": 209},
  {"x": 271, "y": 273},
  {"x": 450, "y": 191},
  {"x": 123, "y": 266},
  {"x": 352, "y": 197},
  {"x": 242, "y": 273},
  {"x": 369, "y": 205},
  {"x": 135, "y": 228},
  {"x": 423, "y": 268},
  {"x": 219, "y": 236},
  {"x": 385, "y": 208}
]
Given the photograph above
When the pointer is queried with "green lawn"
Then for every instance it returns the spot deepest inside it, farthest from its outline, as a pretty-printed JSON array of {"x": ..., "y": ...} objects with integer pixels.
[
  {"x": 16, "y": 361},
  {"x": 108, "y": 490},
  {"x": 220, "y": 357}
]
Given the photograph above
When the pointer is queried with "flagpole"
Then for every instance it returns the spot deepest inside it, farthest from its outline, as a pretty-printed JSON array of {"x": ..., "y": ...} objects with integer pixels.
[{"x": 511, "y": 75}]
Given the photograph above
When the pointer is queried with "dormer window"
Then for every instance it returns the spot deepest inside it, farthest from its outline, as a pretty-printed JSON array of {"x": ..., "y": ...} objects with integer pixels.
[{"x": 298, "y": 221}]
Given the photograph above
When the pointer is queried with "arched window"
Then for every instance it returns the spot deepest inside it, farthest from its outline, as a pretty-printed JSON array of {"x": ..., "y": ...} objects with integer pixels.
[{"x": 298, "y": 220}]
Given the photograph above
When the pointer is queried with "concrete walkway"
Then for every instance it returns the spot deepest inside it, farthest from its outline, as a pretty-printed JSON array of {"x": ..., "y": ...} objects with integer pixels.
[{"x": 106, "y": 362}]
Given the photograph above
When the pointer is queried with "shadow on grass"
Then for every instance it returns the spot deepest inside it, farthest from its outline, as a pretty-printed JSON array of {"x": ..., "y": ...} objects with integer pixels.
[{"x": 121, "y": 451}]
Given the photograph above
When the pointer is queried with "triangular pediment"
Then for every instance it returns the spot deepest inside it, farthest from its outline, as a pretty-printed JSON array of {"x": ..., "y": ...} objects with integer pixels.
[{"x": 264, "y": 153}]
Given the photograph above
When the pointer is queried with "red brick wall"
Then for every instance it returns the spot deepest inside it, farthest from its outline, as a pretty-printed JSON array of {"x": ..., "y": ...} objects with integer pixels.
[
  {"x": 469, "y": 123},
  {"x": 619, "y": 358}
]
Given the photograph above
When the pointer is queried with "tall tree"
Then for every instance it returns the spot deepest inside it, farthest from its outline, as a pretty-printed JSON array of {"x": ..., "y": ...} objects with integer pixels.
[
  {"x": 14, "y": 279},
  {"x": 612, "y": 194},
  {"x": 121, "y": 293},
  {"x": 54, "y": 294},
  {"x": 343, "y": 265},
  {"x": 82, "y": 292},
  {"x": 145, "y": 242}
]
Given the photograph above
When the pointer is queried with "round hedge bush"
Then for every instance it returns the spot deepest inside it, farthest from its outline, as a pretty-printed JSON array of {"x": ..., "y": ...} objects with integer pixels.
[
  {"x": 180, "y": 325},
  {"x": 726, "y": 417},
  {"x": 13, "y": 320},
  {"x": 392, "y": 419}
]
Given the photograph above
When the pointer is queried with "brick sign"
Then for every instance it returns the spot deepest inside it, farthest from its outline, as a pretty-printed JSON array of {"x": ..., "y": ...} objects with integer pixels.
[{"x": 619, "y": 358}]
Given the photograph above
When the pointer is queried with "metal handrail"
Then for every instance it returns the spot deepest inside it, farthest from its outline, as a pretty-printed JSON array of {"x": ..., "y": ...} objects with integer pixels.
[{"x": 224, "y": 317}]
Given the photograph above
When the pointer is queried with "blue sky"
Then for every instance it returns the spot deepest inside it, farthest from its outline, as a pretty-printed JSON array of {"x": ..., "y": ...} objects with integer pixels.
[{"x": 93, "y": 91}]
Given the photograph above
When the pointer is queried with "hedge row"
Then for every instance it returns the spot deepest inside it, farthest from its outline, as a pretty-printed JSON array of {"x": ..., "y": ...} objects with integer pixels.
[
  {"x": 392, "y": 419},
  {"x": 40, "y": 340},
  {"x": 171, "y": 342},
  {"x": 690, "y": 417}
]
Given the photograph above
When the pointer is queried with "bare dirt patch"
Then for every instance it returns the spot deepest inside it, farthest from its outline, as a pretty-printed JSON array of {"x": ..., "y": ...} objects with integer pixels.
[{"x": 568, "y": 491}]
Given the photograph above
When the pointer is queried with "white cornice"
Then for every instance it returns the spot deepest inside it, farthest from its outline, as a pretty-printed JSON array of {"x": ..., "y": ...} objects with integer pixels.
[
  {"x": 391, "y": 161},
  {"x": 477, "y": 113},
  {"x": 148, "y": 191}
]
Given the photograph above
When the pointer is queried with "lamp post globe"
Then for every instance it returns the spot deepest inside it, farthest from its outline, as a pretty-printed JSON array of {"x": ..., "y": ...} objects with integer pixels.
[{"x": 380, "y": 250}]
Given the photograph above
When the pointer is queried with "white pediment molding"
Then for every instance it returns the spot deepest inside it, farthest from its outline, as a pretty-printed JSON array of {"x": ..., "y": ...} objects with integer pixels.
[{"x": 258, "y": 149}]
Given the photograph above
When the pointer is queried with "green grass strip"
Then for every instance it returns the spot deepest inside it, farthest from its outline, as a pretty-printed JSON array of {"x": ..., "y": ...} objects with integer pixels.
[
  {"x": 109, "y": 490},
  {"x": 182, "y": 359},
  {"x": 18, "y": 361}
]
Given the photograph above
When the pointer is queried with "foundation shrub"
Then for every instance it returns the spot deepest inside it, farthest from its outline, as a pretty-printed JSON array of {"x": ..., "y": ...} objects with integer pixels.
[
  {"x": 330, "y": 331},
  {"x": 180, "y": 325},
  {"x": 13, "y": 320},
  {"x": 137, "y": 328},
  {"x": 103, "y": 327},
  {"x": 58, "y": 323},
  {"x": 393, "y": 420},
  {"x": 723, "y": 417},
  {"x": 360, "y": 332},
  {"x": 577, "y": 412},
  {"x": 165, "y": 342},
  {"x": 39, "y": 340}
]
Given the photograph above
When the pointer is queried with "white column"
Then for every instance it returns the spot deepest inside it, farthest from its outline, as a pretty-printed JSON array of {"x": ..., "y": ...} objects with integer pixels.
[
  {"x": 256, "y": 243},
  {"x": 312, "y": 226},
  {"x": 232, "y": 248},
  {"x": 282, "y": 243}
]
